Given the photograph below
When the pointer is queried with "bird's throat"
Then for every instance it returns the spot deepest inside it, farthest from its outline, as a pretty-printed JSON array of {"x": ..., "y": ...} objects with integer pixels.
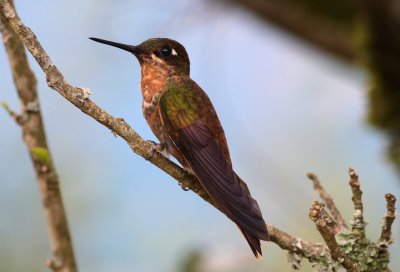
[{"x": 153, "y": 80}]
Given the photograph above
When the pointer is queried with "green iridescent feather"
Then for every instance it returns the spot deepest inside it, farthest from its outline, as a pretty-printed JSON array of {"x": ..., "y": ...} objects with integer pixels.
[{"x": 179, "y": 107}]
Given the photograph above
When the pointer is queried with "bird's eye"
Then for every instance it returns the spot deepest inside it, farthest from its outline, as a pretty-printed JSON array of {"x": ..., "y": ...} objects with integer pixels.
[{"x": 166, "y": 51}]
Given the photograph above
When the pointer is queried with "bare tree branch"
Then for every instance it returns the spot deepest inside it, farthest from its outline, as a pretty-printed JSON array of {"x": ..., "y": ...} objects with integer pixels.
[
  {"x": 389, "y": 217},
  {"x": 313, "y": 252},
  {"x": 327, "y": 199},
  {"x": 30, "y": 120},
  {"x": 354, "y": 183},
  {"x": 327, "y": 227}
]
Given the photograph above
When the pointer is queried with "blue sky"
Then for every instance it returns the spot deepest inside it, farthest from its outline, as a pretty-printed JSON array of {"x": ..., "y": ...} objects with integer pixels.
[{"x": 287, "y": 109}]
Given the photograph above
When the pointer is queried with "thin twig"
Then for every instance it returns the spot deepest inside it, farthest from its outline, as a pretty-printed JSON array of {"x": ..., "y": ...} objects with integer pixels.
[
  {"x": 388, "y": 218},
  {"x": 79, "y": 97},
  {"x": 17, "y": 118},
  {"x": 328, "y": 228},
  {"x": 313, "y": 252},
  {"x": 327, "y": 199},
  {"x": 354, "y": 183},
  {"x": 30, "y": 120}
]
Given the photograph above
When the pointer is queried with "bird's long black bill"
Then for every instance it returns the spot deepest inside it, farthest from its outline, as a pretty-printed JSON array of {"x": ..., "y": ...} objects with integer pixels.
[{"x": 126, "y": 47}]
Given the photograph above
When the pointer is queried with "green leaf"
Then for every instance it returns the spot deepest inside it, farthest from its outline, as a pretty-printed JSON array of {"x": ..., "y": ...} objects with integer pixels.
[
  {"x": 6, "y": 107},
  {"x": 41, "y": 154}
]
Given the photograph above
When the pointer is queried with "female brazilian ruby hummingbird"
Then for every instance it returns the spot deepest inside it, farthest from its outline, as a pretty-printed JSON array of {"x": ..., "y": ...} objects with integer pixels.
[{"x": 183, "y": 118}]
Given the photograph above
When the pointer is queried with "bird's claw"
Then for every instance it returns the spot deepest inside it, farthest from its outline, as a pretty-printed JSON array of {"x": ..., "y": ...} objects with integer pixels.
[
  {"x": 160, "y": 147},
  {"x": 183, "y": 187},
  {"x": 155, "y": 147}
]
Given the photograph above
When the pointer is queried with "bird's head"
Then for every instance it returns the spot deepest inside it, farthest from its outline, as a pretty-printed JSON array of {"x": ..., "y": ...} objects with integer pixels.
[{"x": 165, "y": 53}]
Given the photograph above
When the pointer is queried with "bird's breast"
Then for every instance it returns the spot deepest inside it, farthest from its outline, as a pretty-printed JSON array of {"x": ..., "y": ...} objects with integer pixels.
[{"x": 152, "y": 86}]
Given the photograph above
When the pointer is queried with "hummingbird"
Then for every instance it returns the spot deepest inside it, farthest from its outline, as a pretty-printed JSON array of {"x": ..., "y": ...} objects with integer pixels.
[{"x": 182, "y": 117}]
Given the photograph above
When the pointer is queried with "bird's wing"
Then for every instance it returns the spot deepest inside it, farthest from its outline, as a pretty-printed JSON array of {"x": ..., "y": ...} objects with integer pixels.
[{"x": 190, "y": 126}]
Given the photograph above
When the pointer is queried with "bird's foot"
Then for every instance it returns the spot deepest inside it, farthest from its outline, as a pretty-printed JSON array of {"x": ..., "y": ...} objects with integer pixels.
[
  {"x": 183, "y": 187},
  {"x": 188, "y": 172},
  {"x": 155, "y": 147}
]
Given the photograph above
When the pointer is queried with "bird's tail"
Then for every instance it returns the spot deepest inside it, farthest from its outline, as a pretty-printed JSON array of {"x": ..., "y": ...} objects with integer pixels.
[{"x": 253, "y": 242}]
